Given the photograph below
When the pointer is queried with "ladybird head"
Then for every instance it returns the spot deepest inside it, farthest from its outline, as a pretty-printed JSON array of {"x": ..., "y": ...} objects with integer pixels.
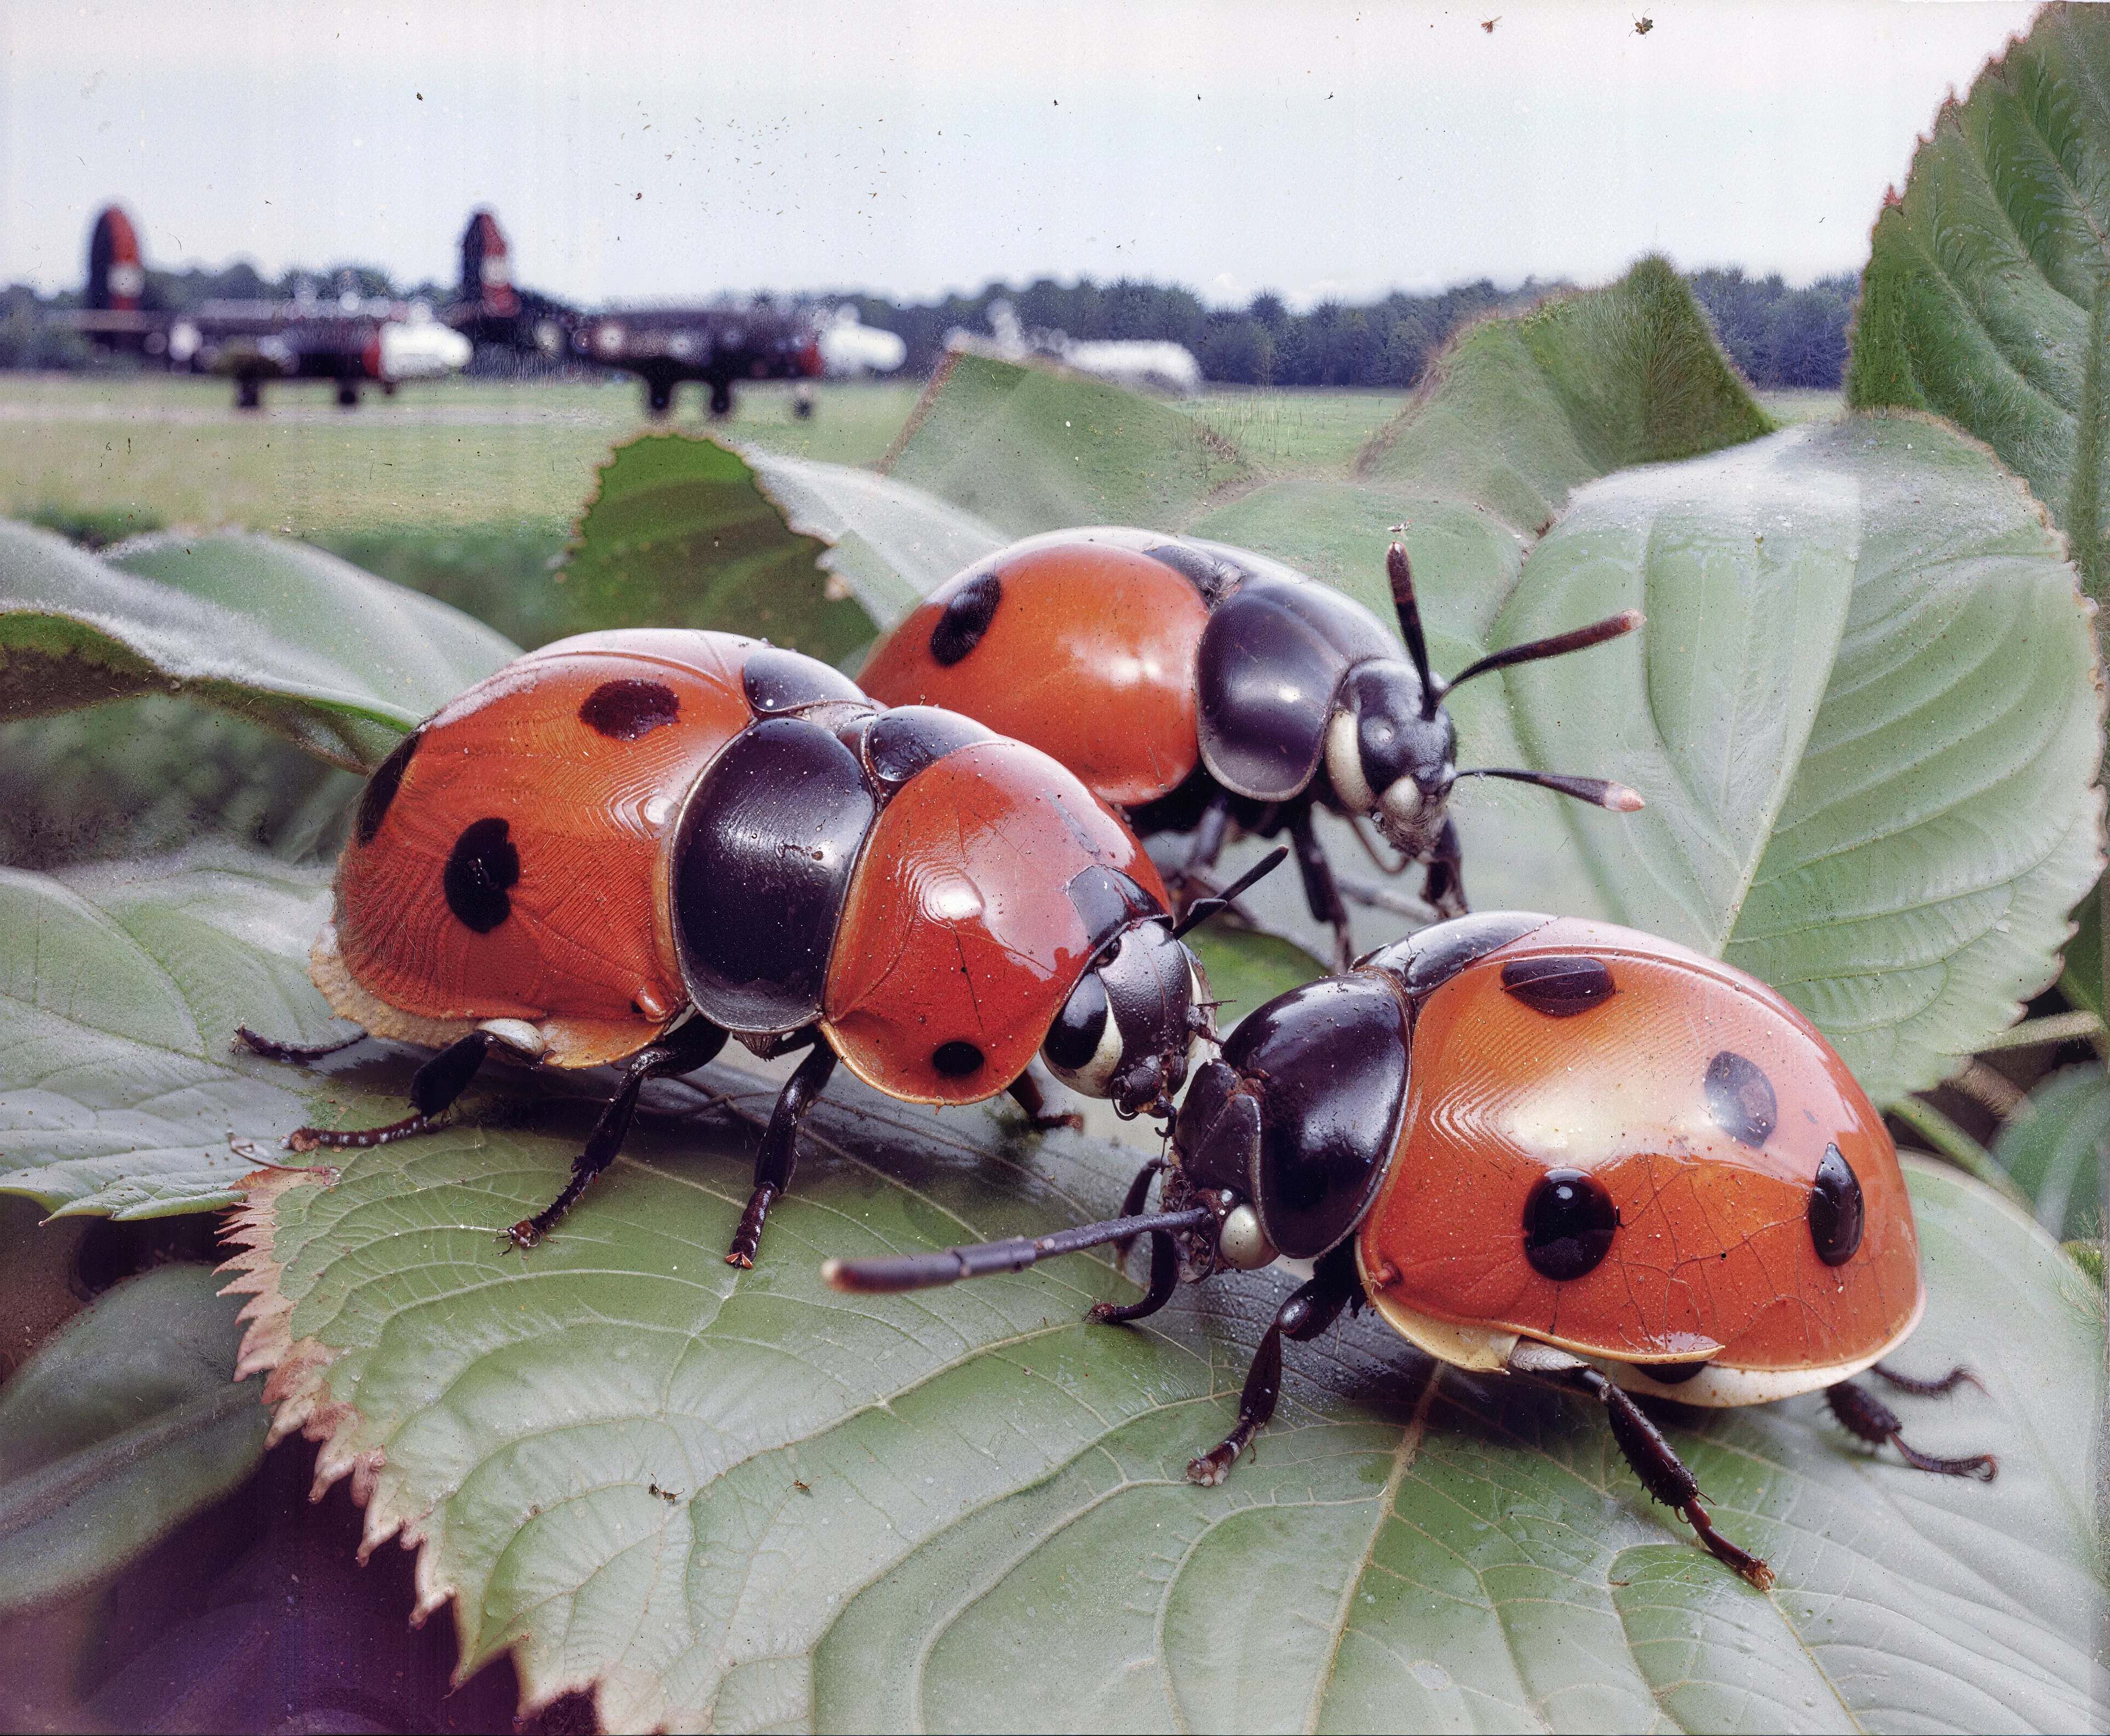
[
  {"x": 1391, "y": 746},
  {"x": 1129, "y": 1025},
  {"x": 1389, "y": 757}
]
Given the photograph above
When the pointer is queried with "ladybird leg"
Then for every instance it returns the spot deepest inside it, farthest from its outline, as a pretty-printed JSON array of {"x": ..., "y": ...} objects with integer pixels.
[
  {"x": 1922, "y": 1388},
  {"x": 1319, "y": 891},
  {"x": 689, "y": 1047},
  {"x": 1209, "y": 835},
  {"x": 433, "y": 1089},
  {"x": 1164, "y": 1279},
  {"x": 1310, "y": 1309},
  {"x": 1444, "y": 887},
  {"x": 779, "y": 1156},
  {"x": 291, "y": 1051},
  {"x": 1862, "y": 1413},
  {"x": 1664, "y": 1474},
  {"x": 1025, "y": 1092}
]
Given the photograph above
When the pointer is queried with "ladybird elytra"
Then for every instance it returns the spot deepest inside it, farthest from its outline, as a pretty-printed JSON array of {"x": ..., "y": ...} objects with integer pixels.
[
  {"x": 1048, "y": 637},
  {"x": 1714, "y": 1256},
  {"x": 1613, "y": 1164},
  {"x": 1206, "y": 689},
  {"x": 627, "y": 845}
]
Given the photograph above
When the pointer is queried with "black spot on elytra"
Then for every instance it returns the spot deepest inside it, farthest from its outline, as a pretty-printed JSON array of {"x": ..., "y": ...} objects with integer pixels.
[
  {"x": 1836, "y": 1210},
  {"x": 480, "y": 867},
  {"x": 1741, "y": 1099},
  {"x": 957, "y": 1060},
  {"x": 1568, "y": 1223},
  {"x": 382, "y": 786},
  {"x": 623, "y": 710},
  {"x": 1670, "y": 1374},
  {"x": 965, "y": 618},
  {"x": 1559, "y": 987}
]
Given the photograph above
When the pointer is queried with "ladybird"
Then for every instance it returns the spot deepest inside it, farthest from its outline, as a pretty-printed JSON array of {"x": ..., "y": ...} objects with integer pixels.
[
  {"x": 627, "y": 845},
  {"x": 1545, "y": 1147},
  {"x": 1203, "y": 688}
]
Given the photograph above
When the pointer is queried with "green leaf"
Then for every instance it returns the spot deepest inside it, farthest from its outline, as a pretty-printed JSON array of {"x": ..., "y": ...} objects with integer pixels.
[
  {"x": 680, "y": 534},
  {"x": 123, "y": 1425},
  {"x": 1031, "y": 448},
  {"x": 2082, "y": 979},
  {"x": 1524, "y": 411},
  {"x": 120, "y": 988},
  {"x": 1246, "y": 968},
  {"x": 744, "y": 1500},
  {"x": 145, "y": 775},
  {"x": 1862, "y": 713},
  {"x": 1984, "y": 296},
  {"x": 2055, "y": 1150},
  {"x": 1520, "y": 412},
  {"x": 338, "y": 661},
  {"x": 889, "y": 544}
]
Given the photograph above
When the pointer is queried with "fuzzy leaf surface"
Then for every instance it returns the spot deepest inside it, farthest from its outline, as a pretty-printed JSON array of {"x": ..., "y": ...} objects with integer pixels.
[
  {"x": 1984, "y": 299},
  {"x": 338, "y": 661},
  {"x": 2057, "y": 1151},
  {"x": 1035, "y": 448},
  {"x": 679, "y": 534},
  {"x": 743, "y": 1501},
  {"x": 120, "y": 987},
  {"x": 1863, "y": 714}
]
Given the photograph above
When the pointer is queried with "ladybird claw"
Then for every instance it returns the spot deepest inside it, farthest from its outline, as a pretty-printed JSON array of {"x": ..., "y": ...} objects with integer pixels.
[{"x": 1750, "y": 1567}]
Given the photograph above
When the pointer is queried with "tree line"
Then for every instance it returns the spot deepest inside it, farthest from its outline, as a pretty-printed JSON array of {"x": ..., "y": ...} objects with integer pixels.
[{"x": 1779, "y": 337}]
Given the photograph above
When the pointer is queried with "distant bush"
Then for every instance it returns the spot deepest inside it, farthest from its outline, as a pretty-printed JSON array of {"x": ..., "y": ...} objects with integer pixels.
[{"x": 1780, "y": 336}]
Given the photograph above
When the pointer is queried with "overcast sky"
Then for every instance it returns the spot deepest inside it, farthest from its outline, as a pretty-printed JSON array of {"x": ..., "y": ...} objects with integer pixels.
[{"x": 639, "y": 151}]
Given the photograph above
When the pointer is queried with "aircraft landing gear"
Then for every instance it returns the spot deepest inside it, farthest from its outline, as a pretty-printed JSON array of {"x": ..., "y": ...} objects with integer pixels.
[
  {"x": 248, "y": 392},
  {"x": 347, "y": 395},
  {"x": 722, "y": 397},
  {"x": 802, "y": 401},
  {"x": 659, "y": 396}
]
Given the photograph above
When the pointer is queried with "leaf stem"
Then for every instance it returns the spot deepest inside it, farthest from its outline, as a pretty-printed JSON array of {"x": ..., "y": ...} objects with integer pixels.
[
  {"x": 2055, "y": 1028},
  {"x": 1944, "y": 1136}
]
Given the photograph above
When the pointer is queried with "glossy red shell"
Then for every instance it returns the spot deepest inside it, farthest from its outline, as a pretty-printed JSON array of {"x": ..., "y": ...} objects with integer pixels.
[
  {"x": 587, "y": 812},
  {"x": 1713, "y": 1257},
  {"x": 1089, "y": 657},
  {"x": 957, "y": 928}
]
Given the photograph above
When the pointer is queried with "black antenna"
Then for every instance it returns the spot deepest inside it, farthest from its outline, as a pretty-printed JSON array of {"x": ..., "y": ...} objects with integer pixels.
[
  {"x": 1202, "y": 909},
  {"x": 1559, "y": 645},
  {"x": 1409, "y": 625},
  {"x": 928, "y": 1271},
  {"x": 1597, "y": 792}
]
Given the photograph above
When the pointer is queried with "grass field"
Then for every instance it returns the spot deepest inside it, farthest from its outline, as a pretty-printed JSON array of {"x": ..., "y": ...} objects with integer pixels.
[
  {"x": 457, "y": 455},
  {"x": 468, "y": 488},
  {"x": 477, "y": 455}
]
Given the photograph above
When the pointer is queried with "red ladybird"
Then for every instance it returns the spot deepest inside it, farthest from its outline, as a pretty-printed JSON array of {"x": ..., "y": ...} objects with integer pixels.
[
  {"x": 1541, "y": 1145},
  {"x": 1201, "y": 687},
  {"x": 629, "y": 845}
]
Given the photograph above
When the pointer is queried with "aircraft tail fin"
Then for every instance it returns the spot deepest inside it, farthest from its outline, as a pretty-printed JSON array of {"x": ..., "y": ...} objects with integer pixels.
[
  {"x": 116, "y": 274},
  {"x": 486, "y": 273}
]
